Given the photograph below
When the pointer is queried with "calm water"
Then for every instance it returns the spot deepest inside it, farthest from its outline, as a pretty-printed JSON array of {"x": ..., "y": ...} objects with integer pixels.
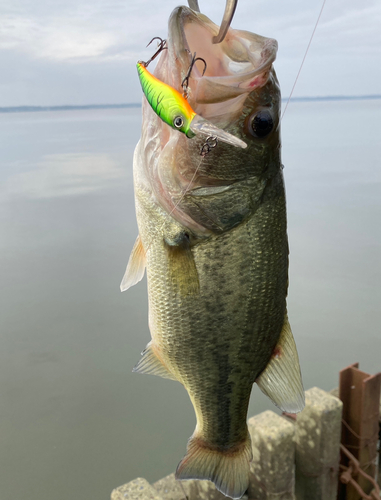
[{"x": 74, "y": 421}]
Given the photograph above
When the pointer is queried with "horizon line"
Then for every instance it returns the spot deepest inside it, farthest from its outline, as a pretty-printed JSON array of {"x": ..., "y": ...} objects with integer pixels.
[{"x": 73, "y": 107}]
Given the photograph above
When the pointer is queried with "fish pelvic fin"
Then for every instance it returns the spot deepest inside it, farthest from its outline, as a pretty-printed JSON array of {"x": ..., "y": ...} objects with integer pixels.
[
  {"x": 135, "y": 267},
  {"x": 227, "y": 468},
  {"x": 281, "y": 380},
  {"x": 151, "y": 364}
]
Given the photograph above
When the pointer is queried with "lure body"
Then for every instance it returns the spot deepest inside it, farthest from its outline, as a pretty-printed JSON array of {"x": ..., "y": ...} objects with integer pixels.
[
  {"x": 176, "y": 111},
  {"x": 167, "y": 102}
]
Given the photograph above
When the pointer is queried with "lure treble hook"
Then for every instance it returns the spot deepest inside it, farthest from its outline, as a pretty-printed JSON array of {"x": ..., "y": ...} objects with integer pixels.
[
  {"x": 185, "y": 82},
  {"x": 210, "y": 143},
  {"x": 161, "y": 47}
]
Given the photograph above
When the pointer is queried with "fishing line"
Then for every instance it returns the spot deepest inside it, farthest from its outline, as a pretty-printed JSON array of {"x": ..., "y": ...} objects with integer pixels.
[
  {"x": 304, "y": 58},
  {"x": 209, "y": 145},
  {"x": 186, "y": 190},
  {"x": 211, "y": 142}
]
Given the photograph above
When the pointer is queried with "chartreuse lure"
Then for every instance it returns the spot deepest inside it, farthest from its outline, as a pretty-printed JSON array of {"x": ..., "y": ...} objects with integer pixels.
[{"x": 175, "y": 110}]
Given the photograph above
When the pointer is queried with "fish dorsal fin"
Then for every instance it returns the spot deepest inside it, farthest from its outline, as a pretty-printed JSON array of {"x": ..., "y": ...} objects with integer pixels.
[
  {"x": 151, "y": 364},
  {"x": 135, "y": 267},
  {"x": 281, "y": 380}
]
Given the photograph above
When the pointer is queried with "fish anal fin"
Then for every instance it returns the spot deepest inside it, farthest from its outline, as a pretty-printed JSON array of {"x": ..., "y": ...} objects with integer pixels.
[
  {"x": 135, "y": 267},
  {"x": 281, "y": 380},
  {"x": 228, "y": 469},
  {"x": 182, "y": 266},
  {"x": 152, "y": 365}
]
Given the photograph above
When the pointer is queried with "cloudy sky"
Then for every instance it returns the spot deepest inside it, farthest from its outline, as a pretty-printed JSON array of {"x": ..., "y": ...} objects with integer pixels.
[{"x": 55, "y": 52}]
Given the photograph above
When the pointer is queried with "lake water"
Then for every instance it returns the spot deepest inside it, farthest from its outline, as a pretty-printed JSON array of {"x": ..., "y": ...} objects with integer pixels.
[{"x": 74, "y": 421}]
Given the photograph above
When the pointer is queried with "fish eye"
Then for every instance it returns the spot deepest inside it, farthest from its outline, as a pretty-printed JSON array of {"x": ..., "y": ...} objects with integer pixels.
[
  {"x": 178, "y": 121},
  {"x": 261, "y": 124}
]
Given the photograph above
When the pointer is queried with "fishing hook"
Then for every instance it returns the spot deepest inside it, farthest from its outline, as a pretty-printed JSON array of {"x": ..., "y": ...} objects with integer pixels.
[
  {"x": 226, "y": 20},
  {"x": 161, "y": 47},
  {"x": 210, "y": 143},
  {"x": 185, "y": 82}
]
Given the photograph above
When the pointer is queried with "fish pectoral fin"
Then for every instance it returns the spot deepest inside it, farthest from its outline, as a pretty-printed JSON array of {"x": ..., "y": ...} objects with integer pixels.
[
  {"x": 152, "y": 365},
  {"x": 182, "y": 266},
  {"x": 228, "y": 469},
  {"x": 135, "y": 267},
  {"x": 281, "y": 380}
]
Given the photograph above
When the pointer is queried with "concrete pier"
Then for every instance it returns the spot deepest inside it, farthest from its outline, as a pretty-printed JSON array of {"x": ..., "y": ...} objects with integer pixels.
[
  {"x": 272, "y": 469},
  {"x": 171, "y": 489},
  {"x": 317, "y": 437},
  {"x": 138, "y": 489},
  {"x": 292, "y": 459}
]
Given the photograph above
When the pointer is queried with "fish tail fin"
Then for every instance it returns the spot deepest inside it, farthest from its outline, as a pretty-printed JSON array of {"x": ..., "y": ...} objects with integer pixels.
[{"x": 228, "y": 469}]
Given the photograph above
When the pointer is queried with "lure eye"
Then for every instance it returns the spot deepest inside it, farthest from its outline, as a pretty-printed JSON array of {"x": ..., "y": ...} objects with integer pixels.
[
  {"x": 261, "y": 124},
  {"x": 178, "y": 122}
]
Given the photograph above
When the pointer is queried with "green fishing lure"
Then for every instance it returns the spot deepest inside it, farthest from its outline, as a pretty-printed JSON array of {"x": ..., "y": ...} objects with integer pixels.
[
  {"x": 167, "y": 103},
  {"x": 175, "y": 110}
]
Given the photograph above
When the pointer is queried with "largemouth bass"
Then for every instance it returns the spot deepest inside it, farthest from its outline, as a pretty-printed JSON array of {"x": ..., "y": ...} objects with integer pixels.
[{"x": 212, "y": 236}]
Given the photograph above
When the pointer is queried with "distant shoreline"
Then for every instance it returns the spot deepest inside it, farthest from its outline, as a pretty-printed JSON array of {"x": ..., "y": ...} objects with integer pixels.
[{"x": 27, "y": 109}]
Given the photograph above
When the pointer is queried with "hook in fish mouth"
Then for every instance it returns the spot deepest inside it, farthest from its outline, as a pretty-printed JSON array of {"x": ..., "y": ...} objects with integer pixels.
[
  {"x": 226, "y": 20},
  {"x": 236, "y": 66}
]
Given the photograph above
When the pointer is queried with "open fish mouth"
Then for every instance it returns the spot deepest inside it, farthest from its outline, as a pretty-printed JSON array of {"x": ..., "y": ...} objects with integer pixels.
[{"x": 236, "y": 66}]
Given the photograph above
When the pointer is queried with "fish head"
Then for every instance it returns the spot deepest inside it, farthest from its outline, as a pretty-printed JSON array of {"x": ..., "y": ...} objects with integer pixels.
[{"x": 238, "y": 93}]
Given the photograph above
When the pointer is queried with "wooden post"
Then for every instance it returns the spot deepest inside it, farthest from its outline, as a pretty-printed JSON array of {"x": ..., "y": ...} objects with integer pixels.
[
  {"x": 317, "y": 435},
  {"x": 360, "y": 394},
  {"x": 272, "y": 469}
]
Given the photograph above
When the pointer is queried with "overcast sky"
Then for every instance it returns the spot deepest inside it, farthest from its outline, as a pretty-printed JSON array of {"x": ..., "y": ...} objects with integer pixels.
[{"x": 55, "y": 52}]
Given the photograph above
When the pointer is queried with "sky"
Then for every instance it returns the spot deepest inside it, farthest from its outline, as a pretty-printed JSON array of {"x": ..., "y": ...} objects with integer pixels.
[{"x": 57, "y": 52}]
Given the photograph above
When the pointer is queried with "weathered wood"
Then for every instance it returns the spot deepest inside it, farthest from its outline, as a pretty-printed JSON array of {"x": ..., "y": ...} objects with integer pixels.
[
  {"x": 317, "y": 436},
  {"x": 138, "y": 489},
  {"x": 360, "y": 394},
  {"x": 272, "y": 468}
]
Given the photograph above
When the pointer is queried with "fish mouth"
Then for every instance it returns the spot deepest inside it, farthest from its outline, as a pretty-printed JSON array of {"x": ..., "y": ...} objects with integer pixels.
[{"x": 235, "y": 67}]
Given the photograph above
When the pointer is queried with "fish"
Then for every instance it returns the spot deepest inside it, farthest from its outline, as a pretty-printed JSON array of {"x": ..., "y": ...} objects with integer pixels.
[{"x": 213, "y": 241}]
